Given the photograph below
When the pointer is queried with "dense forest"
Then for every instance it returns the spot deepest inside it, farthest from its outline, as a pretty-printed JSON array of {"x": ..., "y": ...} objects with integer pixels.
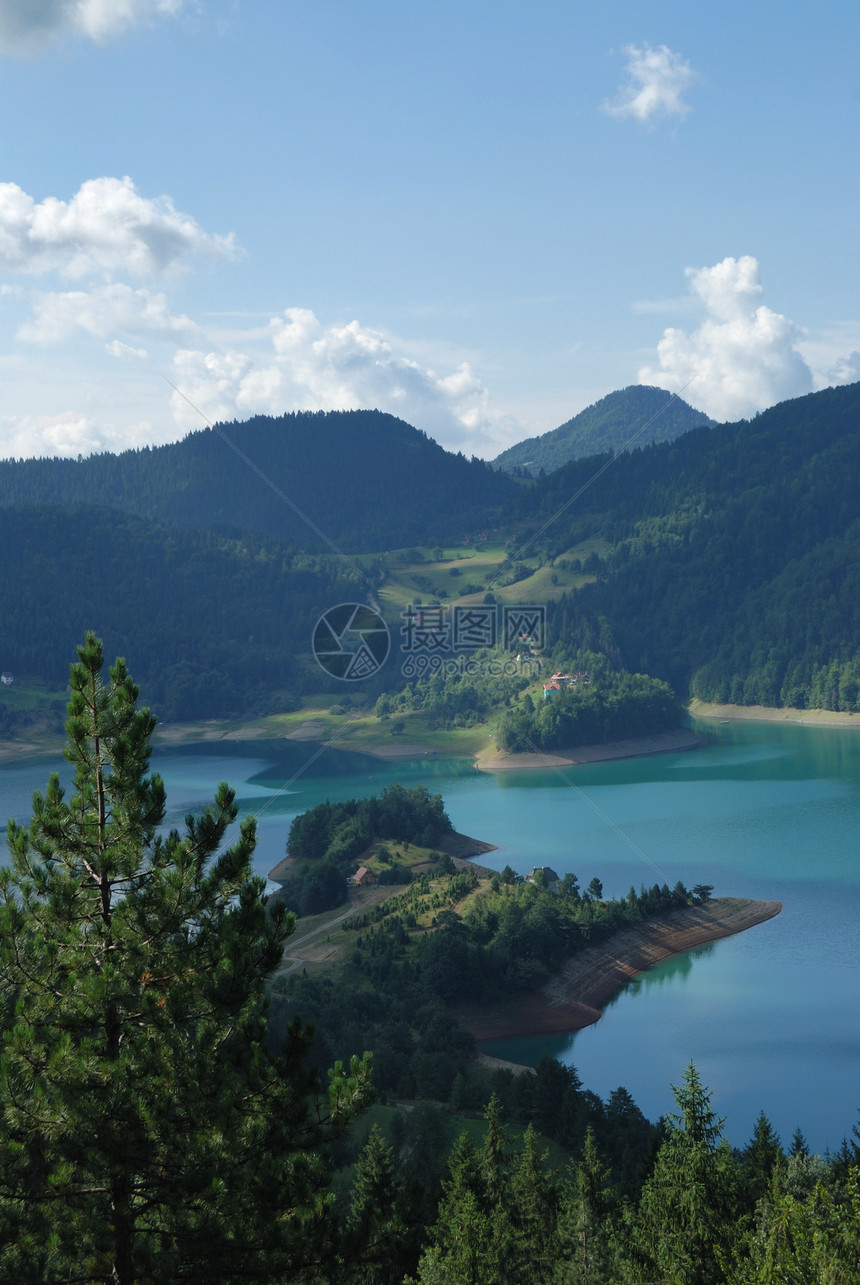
[
  {"x": 639, "y": 414},
  {"x": 363, "y": 479},
  {"x": 613, "y": 706},
  {"x": 216, "y": 622},
  {"x": 325, "y": 842},
  {"x": 733, "y": 567}
]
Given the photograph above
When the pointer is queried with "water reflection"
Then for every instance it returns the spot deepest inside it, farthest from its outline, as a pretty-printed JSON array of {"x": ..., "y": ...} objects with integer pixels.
[{"x": 677, "y": 968}]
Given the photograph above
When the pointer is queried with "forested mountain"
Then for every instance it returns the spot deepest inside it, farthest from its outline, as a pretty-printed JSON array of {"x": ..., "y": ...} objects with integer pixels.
[
  {"x": 364, "y": 478},
  {"x": 608, "y": 425},
  {"x": 734, "y": 570},
  {"x": 215, "y": 624},
  {"x": 728, "y": 559}
]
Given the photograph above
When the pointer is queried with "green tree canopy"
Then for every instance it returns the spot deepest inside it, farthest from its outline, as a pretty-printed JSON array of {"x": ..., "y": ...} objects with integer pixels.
[{"x": 149, "y": 1134}]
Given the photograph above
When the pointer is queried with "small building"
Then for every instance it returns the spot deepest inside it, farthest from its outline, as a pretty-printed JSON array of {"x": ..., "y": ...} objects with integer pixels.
[
  {"x": 552, "y": 880},
  {"x": 560, "y": 681},
  {"x": 6, "y": 679},
  {"x": 363, "y": 877}
]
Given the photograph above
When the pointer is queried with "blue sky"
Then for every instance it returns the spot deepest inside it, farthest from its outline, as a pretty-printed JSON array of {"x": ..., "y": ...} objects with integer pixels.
[{"x": 480, "y": 216}]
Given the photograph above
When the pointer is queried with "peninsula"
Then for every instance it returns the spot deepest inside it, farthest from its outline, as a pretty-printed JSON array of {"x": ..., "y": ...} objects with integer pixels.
[{"x": 579, "y": 991}]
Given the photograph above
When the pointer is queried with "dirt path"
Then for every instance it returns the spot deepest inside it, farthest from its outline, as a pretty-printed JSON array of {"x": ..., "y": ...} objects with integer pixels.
[
  {"x": 298, "y": 950},
  {"x": 576, "y": 995},
  {"x": 305, "y": 948}
]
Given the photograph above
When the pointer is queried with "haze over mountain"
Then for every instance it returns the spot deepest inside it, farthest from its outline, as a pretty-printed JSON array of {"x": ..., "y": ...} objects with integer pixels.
[
  {"x": 639, "y": 412},
  {"x": 366, "y": 479}
]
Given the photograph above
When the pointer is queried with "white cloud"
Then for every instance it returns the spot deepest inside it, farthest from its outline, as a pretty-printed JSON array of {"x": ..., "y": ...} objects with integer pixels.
[
  {"x": 656, "y": 79},
  {"x": 107, "y": 226},
  {"x": 67, "y": 434},
  {"x": 743, "y": 358},
  {"x": 832, "y": 353},
  {"x": 103, "y": 312},
  {"x": 117, "y": 348},
  {"x": 30, "y": 25},
  {"x": 315, "y": 367},
  {"x": 846, "y": 370}
]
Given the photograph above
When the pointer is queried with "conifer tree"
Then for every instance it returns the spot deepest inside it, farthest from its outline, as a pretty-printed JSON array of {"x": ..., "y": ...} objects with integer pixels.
[
  {"x": 585, "y": 1222},
  {"x": 534, "y": 1209},
  {"x": 375, "y": 1228},
  {"x": 690, "y": 1203},
  {"x": 462, "y": 1238},
  {"x": 148, "y": 1133},
  {"x": 761, "y": 1157}
]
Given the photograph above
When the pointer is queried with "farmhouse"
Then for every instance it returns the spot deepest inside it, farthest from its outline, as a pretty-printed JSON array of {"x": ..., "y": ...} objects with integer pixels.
[
  {"x": 544, "y": 872},
  {"x": 363, "y": 877}
]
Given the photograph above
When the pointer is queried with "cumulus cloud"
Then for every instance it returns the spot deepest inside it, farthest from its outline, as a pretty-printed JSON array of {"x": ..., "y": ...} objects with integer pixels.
[
  {"x": 742, "y": 358},
  {"x": 30, "y": 25},
  {"x": 106, "y": 227},
  {"x": 656, "y": 80},
  {"x": 108, "y": 310},
  {"x": 846, "y": 370},
  {"x": 67, "y": 434},
  {"x": 317, "y": 367}
]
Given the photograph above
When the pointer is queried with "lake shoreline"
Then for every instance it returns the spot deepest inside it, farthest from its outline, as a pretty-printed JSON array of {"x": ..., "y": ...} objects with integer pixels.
[
  {"x": 577, "y": 994},
  {"x": 772, "y": 714},
  {"x": 682, "y": 738},
  {"x": 208, "y": 731}
]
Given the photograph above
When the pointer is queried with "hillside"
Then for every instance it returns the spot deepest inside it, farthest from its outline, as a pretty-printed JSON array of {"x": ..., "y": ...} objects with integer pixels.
[
  {"x": 214, "y": 625},
  {"x": 724, "y": 563},
  {"x": 732, "y": 570},
  {"x": 365, "y": 479},
  {"x": 648, "y": 414}
]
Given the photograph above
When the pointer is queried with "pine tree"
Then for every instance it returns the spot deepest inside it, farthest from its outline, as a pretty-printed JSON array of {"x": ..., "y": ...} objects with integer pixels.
[
  {"x": 462, "y": 1237},
  {"x": 761, "y": 1157},
  {"x": 375, "y": 1228},
  {"x": 149, "y": 1134},
  {"x": 534, "y": 1209},
  {"x": 585, "y": 1220},
  {"x": 689, "y": 1204}
]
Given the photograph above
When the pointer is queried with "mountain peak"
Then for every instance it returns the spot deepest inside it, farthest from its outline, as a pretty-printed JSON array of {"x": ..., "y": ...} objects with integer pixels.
[{"x": 633, "y": 416}]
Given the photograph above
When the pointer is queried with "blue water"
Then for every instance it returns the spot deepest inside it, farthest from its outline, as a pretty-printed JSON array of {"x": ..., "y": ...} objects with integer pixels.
[{"x": 771, "y": 1017}]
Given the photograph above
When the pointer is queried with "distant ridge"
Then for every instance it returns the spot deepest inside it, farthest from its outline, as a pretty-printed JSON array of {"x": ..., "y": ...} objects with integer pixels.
[
  {"x": 365, "y": 478},
  {"x": 607, "y": 425}
]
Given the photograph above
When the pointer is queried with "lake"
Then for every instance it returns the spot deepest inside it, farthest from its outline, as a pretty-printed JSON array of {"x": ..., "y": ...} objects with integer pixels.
[{"x": 770, "y": 1017}]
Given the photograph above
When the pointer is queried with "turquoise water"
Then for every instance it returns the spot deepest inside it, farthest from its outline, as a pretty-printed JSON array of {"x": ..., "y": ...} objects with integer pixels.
[{"x": 771, "y": 1017}]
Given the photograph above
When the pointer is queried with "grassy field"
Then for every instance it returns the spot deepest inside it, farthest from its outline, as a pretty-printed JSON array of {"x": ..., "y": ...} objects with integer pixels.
[
  {"x": 464, "y": 575},
  {"x": 32, "y": 716},
  {"x": 365, "y": 732}
]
